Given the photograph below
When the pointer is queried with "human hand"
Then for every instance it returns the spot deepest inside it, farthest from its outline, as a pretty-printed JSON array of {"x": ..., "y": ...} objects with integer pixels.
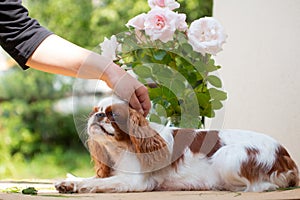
[
  {"x": 128, "y": 88},
  {"x": 122, "y": 83}
]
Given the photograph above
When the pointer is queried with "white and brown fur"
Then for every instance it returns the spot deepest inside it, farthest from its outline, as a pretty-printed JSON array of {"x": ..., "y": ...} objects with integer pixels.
[{"x": 130, "y": 154}]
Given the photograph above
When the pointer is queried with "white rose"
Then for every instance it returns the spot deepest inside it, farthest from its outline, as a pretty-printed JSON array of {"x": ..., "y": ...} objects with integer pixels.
[
  {"x": 181, "y": 23},
  {"x": 206, "y": 35},
  {"x": 110, "y": 47},
  {"x": 171, "y": 4}
]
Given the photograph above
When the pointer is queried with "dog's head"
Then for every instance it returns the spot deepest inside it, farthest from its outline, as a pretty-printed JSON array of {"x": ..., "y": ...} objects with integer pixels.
[
  {"x": 115, "y": 128},
  {"x": 110, "y": 120}
]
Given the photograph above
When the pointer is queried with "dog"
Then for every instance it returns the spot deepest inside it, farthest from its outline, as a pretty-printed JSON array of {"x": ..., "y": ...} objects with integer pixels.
[{"x": 131, "y": 154}]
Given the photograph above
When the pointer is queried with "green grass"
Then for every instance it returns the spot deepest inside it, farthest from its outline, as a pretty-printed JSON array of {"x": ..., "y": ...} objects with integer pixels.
[
  {"x": 48, "y": 165},
  {"x": 11, "y": 190}
]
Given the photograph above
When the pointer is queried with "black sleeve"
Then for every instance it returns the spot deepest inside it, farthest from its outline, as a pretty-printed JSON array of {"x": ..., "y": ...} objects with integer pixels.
[{"x": 20, "y": 35}]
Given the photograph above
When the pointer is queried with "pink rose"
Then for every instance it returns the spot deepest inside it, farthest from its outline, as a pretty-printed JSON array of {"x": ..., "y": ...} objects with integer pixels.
[
  {"x": 171, "y": 4},
  {"x": 206, "y": 35},
  {"x": 161, "y": 23},
  {"x": 137, "y": 22}
]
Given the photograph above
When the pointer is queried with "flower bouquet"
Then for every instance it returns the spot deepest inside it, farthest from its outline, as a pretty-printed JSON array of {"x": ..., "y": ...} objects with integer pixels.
[{"x": 174, "y": 61}]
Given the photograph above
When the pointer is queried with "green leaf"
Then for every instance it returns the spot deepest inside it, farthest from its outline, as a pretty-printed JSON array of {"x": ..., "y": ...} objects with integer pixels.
[
  {"x": 30, "y": 190},
  {"x": 159, "y": 55},
  {"x": 208, "y": 112},
  {"x": 142, "y": 71},
  {"x": 177, "y": 87},
  {"x": 155, "y": 118},
  {"x": 203, "y": 99},
  {"x": 215, "y": 81},
  {"x": 210, "y": 67},
  {"x": 129, "y": 44},
  {"x": 182, "y": 62},
  {"x": 160, "y": 110},
  {"x": 217, "y": 94},
  {"x": 181, "y": 37},
  {"x": 187, "y": 47},
  {"x": 154, "y": 93},
  {"x": 216, "y": 105},
  {"x": 200, "y": 66},
  {"x": 192, "y": 78},
  {"x": 163, "y": 75}
]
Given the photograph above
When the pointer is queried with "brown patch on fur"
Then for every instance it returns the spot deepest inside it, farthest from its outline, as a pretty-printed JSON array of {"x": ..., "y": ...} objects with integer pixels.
[
  {"x": 251, "y": 169},
  {"x": 252, "y": 152},
  {"x": 101, "y": 159},
  {"x": 151, "y": 147},
  {"x": 118, "y": 115},
  {"x": 205, "y": 142},
  {"x": 284, "y": 163},
  {"x": 182, "y": 139}
]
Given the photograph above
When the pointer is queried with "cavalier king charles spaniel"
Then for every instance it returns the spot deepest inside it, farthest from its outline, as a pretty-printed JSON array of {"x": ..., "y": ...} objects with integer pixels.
[{"x": 131, "y": 154}]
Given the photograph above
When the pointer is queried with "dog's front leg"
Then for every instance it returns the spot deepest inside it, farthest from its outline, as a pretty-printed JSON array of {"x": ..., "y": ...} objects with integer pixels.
[{"x": 118, "y": 183}]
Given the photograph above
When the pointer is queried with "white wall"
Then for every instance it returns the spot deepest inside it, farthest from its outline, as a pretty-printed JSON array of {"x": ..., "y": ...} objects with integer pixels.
[{"x": 261, "y": 67}]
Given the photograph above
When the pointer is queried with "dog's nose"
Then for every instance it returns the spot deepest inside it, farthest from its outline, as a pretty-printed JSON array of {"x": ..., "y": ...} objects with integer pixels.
[{"x": 100, "y": 115}]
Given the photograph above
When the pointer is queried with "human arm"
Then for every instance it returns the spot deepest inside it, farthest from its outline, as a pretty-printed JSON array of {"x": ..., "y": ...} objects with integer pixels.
[
  {"x": 59, "y": 56},
  {"x": 32, "y": 45}
]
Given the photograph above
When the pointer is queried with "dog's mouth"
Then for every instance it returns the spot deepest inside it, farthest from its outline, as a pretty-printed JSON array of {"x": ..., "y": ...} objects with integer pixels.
[{"x": 96, "y": 126}]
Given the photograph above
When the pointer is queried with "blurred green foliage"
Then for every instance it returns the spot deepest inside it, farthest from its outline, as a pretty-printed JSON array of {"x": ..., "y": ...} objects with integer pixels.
[
  {"x": 87, "y": 22},
  {"x": 36, "y": 140},
  {"x": 29, "y": 124}
]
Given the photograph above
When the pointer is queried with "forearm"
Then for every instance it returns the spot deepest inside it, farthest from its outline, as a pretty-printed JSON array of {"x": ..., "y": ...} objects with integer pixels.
[{"x": 58, "y": 56}]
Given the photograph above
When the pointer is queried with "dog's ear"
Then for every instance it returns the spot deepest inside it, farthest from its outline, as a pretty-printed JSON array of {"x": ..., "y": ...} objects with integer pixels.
[
  {"x": 95, "y": 109},
  {"x": 150, "y": 147},
  {"x": 101, "y": 159},
  {"x": 118, "y": 114}
]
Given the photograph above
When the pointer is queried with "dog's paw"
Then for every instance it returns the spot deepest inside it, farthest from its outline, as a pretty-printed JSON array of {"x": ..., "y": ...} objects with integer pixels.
[
  {"x": 66, "y": 187},
  {"x": 71, "y": 186}
]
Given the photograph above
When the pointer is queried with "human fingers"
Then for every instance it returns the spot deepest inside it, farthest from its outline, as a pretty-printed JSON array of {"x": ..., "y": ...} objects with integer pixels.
[
  {"x": 143, "y": 98},
  {"x": 128, "y": 88},
  {"x": 135, "y": 104}
]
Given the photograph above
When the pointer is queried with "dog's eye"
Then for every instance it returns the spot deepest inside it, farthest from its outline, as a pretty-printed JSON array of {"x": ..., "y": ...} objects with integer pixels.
[
  {"x": 112, "y": 115},
  {"x": 100, "y": 115}
]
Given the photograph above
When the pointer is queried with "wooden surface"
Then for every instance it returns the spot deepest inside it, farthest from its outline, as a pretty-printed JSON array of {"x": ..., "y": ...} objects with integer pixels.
[{"x": 46, "y": 191}]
